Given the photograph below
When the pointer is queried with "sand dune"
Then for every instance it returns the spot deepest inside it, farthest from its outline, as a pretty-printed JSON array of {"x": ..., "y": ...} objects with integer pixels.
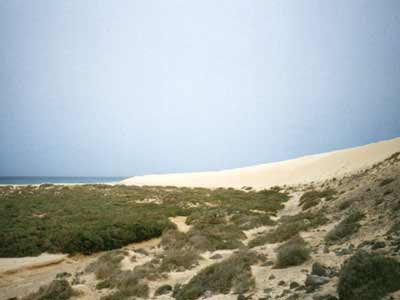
[{"x": 295, "y": 171}]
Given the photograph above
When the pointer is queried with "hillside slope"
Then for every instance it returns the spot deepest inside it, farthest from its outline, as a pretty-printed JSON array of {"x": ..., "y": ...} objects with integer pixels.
[{"x": 301, "y": 170}]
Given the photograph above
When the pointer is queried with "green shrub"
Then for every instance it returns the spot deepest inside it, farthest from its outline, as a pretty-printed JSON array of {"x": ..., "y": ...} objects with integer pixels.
[
  {"x": 56, "y": 290},
  {"x": 344, "y": 204},
  {"x": 92, "y": 218},
  {"x": 126, "y": 285},
  {"x": 248, "y": 220},
  {"x": 173, "y": 239},
  {"x": 367, "y": 276},
  {"x": 107, "y": 265},
  {"x": 105, "y": 284},
  {"x": 211, "y": 230},
  {"x": 312, "y": 198},
  {"x": 386, "y": 181},
  {"x": 289, "y": 227},
  {"x": 233, "y": 273},
  {"x": 345, "y": 228},
  {"x": 173, "y": 260},
  {"x": 292, "y": 253},
  {"x": 164, "y": 289}
]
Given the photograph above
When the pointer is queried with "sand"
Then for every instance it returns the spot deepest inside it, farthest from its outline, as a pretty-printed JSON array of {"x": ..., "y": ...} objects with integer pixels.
[
  {"x": 295, "y": 171},
  {"x": 14, "y": 265}
]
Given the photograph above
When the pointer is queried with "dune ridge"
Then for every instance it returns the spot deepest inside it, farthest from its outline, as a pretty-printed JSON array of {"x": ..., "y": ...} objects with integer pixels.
[{"x": 301, "y": 170}]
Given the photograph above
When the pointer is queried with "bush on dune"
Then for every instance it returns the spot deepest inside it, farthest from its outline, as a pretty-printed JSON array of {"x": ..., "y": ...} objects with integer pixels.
[
  {"x": 313, "y": 198},
  {"x": 366, "y": 276},
  {"x": 345, "y": 228},
  {"x": 289, "y": 227},
  {"x": 233, "y": 274},
  {"x": 292, "y": 253},
  {"x": 56, "y": 290}
]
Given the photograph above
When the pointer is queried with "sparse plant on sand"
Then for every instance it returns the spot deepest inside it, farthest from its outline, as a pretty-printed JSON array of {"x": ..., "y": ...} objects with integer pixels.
[
  {"x": 289, "y": 227},
  {"x": 56, "y": 290},
  {"x": 232, "y": 274},
  {"x": 348, "y": 226},
  {"x": 313, "y": 197},
  {"x": 292, "y": 253}
]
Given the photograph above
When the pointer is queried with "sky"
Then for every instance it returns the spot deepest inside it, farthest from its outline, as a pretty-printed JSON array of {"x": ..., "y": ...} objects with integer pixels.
[{"x": 123, "y": 88}]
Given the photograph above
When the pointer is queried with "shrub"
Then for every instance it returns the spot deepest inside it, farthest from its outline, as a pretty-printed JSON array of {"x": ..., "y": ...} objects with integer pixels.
[
  {"x": 173, "y": 239},
  {"x": 56, "y": 290},
  {"x": 233, "y": 273},
  {"x": 105, "y": 284},
  {"x": 106, "y": 265},
  {"x": 92, "y": 218},
  {"x": 247, "y": 220},
  {"x": 345, "y": 228},
  {"x": 292, "y": 253},
  {"x": 127, "y": 284},
  {"x": 344, "y": 204},
  {"x": 149, "y": 270},
  {"x": 176, "y": 259},
  {"x": 164, "y": 289},
  {"x": 367, "y": 276},
  {"x": 212, "y": 231},
  {"x": 289, "y": 227},
  {"x": 312, "y": 198},
  {"x": 395, "y": 157},
  {"x": 386, "y": 181}
]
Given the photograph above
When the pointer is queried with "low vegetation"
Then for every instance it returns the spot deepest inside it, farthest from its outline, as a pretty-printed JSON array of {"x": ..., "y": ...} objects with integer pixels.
[
  {"x": 91, "y": 218},
  {"x": 289, "y": 227},
  {"x": 56, "y": 290},
  {"x": 386, "y": 181},
  {"x": 173, "y": 260},
  {"x": 126, "y": 284},
  {"x": 107, "y": 265},
  {"x": 292, "y": 253},
  {"x": 367, "y": 276},
  {"x": 348, "y": 226},
  {"x": 232, "y": 274},
  {"x": 314, "y": 197},
  {"x": 344, "y": 204}
]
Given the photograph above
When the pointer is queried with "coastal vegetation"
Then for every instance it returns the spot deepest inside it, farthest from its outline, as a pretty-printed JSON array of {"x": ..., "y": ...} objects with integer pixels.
[
  {"x": 232, "y": 274},
  {"x": 314, "y": 197},
  {"x": 289, "y": 227},
  {"x": 292, "y": 253},
  {"x": 349, "y": 225},
  {"x": 91, "y": 218},
  {"x": 56, "y": 290},
  {"x": 368, "y": 276}
]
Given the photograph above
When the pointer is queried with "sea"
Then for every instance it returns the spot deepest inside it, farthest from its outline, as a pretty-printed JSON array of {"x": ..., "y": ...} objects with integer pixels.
[{"x": 59, "y": 180}]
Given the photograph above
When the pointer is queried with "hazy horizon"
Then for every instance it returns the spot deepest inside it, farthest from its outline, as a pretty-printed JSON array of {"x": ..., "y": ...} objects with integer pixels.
[{"x": 128, "y": 88}]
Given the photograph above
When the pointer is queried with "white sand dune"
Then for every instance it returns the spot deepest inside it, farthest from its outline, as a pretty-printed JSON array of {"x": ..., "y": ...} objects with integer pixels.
[{"x": 295, "y": 171}]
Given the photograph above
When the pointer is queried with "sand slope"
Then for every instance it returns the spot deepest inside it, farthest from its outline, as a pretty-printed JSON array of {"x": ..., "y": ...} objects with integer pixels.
[{"x": 300, "y": 170}]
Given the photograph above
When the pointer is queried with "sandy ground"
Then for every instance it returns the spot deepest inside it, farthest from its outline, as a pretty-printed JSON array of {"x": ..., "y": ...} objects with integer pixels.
[
  {"x": 180, "y": 223},
  {"x": 21, "y": 276},
  {"x": 296, "y": 171}
]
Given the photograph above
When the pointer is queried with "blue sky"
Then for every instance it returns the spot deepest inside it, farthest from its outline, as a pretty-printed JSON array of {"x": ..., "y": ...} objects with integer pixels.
[{"x": 134, "y": 87}]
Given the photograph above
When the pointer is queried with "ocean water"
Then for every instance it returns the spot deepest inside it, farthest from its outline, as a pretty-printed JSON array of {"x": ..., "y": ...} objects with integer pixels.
[{"x": 40, "y": 180}]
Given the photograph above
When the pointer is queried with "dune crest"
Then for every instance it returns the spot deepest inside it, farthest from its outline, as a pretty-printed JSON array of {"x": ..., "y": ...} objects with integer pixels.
[{"x": 295, "y": 171}]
